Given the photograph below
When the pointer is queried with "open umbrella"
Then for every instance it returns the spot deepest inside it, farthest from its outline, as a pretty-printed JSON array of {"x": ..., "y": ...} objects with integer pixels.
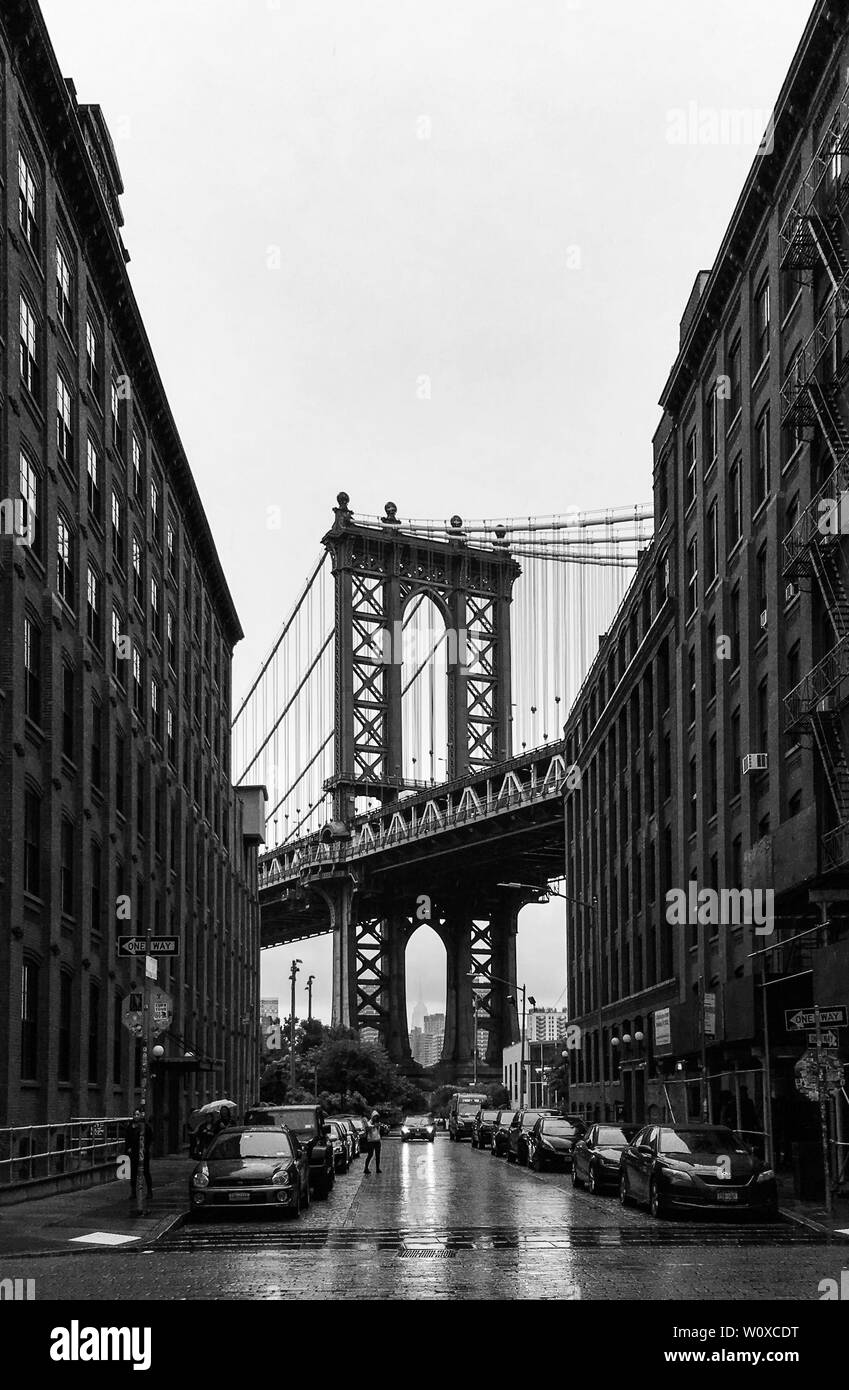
[{"x": 213, "y": 1105}]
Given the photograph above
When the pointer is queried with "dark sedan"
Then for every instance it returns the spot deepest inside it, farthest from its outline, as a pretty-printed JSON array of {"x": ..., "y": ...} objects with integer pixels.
[
  {"x": 519, "y": 1133},
  {"x": 418, "y": 1127},
  {"x": 257, "y": 1167},
  {"x": 695, "y": 1166},
  {"x": 482, "y": 1128},
  {"x": 595, "y": 1157},
  {"x": 359, "y": 1127},
  {"x": 340, "y": 1142},
  {"x": 500, "y": 1131},
  {"x": 551, "y": 1142}
]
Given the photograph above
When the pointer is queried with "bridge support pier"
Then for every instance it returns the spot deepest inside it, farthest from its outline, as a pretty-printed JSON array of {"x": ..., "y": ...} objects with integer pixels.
[
  {"x": 340, "y": 899},
  {"x": 505, "y": 1027},
  {"x": 458, "y": 1047},
  {"x": 396, "y": 932}
]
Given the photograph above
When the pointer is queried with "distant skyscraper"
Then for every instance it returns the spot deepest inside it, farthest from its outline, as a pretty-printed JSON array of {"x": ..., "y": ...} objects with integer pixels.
[
  {"x": 434, "y": 1023},
  {"x": 547, "y": 1025},
  {"x": 419, "y": 1011}
]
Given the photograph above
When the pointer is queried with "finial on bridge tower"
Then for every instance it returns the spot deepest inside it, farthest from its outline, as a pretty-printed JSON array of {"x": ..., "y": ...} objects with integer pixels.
[
  {"x": 342, "y": 512},
  {"x": 454, "y": 530},
  {"x": 391, "y": 515},
  {"x": 501, "y": 542}
]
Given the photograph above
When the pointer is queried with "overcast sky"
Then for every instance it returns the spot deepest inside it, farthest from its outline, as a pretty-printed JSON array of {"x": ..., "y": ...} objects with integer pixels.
[{"x": 327, "y": 200}]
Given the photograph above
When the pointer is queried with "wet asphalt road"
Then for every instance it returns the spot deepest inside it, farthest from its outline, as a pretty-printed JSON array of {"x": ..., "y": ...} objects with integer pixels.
[{"x": 446, "y": 1222}]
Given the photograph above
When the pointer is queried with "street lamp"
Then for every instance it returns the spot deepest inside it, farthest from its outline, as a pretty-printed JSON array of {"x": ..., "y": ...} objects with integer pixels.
[
  {"x": 293, "y": 974},
  {"x": 474, "y": 975}
]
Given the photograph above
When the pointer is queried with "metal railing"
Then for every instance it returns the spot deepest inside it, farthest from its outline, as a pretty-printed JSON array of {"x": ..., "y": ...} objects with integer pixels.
[
  {"x": 812, "y": 352},
  {"x": 808, "y": 528},
  {"x": 34, "y": 1153},
  {"x": 831, "y": 152},
  {"x": 835, "y": 847},
  {"x": 823, "y": 680}
]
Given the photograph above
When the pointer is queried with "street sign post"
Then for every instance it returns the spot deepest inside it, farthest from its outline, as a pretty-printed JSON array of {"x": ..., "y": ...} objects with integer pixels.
[{"x": 829, "y": 1038}]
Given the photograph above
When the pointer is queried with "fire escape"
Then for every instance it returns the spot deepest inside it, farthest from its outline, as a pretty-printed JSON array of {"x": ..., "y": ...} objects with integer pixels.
[{"x": 813, "y": 240}]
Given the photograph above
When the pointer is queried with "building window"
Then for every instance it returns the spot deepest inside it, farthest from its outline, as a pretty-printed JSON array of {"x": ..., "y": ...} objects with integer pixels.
[
  {"x": 663, "y": 488},
  {"x": 793, "y": 667},
  {"x": 140, "y": 816},
  {"x": 29, "y": 1021},
  {"x": 95, "y": 506},
  {"x": 93, "y": 1033},
  {"x": 93, "y": 352},
  {"x": 692, "y": 577},
  {"x": 30, "y": 488},
  {"x": 710, "y": 416},
  {"x": 64, "y": 290},
  {"x": 69, "y": 706},
  {"x": 96, "y": 919},
  {"x": 736, "y": 766},
  {"x": 171, "y": 541},
  {"x": 32, "y": 842},
  {"x": 138, "y": 572},
  {"x": 155, "y": 711},
  {"x": 117, "y": 659},
  {"x": 171, "y": 736},
  {"x": 735, "y": 398},
  {"x": 763, "y": 716},
  {"x": 96, "y": 745},
  {"x": 712, "y": 776},
  {"x": 691, "y": 455},
  {"x": 63, "y": 1066},
  {"x": 29, "y": 354},
  {"x": 171, "y": 642},
  {"x": 761, "y": 573},
  {"x": 711, "y": 657},
  {"x": 93, "y": 608},
  {"x": 65, "y": 562},
  {"x": 138, "y": 688},
  {"x": 735, "y": 627},
  {"x": 120, "y": 776},
  {"x": 691, "y": 686},
  {"x": 64, "y": 422},
  {"x": 119, "y": 540},
  {"x": 138, "y": 467},
  {"x": 155, "y": 612},
  {"x": 762, "y": 458},
  {"x": 66, "y": 866},
  {"x": 29, "y": 200},
  {"x": 117, "y": 1039},
  {"x": 711, "y": 545},
  {"x": 666, "y": 768},
  {"x": 694, "y": 798},
  {"x": 761, "y": 323},
  {"x": 735, "y": 502},
  {"x": 117, "y": 423},
  {"x": 155, "y": 518},
  {"x": 32, "y": 670}
]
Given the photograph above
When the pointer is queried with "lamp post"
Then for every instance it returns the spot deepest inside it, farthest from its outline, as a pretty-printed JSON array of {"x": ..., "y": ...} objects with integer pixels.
[
  {"x": 592, "y": 908},
  {"x": 474, "y": 976},
  {"x": 293, "y": 975},
  {"x": 308, "y": 988}
]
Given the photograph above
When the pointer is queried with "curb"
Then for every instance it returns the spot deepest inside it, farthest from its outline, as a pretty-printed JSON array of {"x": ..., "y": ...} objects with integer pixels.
[
  {"x": 809, "y": 1223},
  {"x": 162, "y": 1228}
]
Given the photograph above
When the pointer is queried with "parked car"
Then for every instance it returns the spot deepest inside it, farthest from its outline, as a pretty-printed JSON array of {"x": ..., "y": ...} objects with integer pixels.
[
  {"x": 358, "y": 1128},
  {"x": 517, "y": 1135},
  {"x": 551, "y": 1142},
  {"x": 482, "y": 1128},
  {"x": 418, "y": 1127},
  {"x": 340, "y": 1141},
  {"x": 500, "y": 1130},
  {"x": 695, "y": 1166},
  {"x": 308, "y": 1124},
  {"x": 461, "y": 1115},
  {"x": 252, "y": 1167},
  {"x": 595, "y": 1156}
]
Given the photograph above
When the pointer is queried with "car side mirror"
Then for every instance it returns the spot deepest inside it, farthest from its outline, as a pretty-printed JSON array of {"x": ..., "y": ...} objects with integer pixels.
[{"x": 325, "y": 1129}]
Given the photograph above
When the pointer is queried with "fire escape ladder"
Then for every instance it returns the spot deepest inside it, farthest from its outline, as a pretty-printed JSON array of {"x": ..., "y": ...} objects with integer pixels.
[
  {"x": 826, "y": 725},
  {"x": 826, "y": 233},
  {"x": 825, "y": 402}
]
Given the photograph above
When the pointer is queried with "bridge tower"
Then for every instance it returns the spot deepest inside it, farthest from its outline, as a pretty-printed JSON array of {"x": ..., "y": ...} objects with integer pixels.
[{"x": 378, "y": 572}]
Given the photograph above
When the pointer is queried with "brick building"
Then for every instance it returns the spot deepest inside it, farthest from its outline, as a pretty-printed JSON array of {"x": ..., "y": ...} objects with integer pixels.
[
  {"x": 714, "y": 753},
  {"x": 116, "y": 635}
]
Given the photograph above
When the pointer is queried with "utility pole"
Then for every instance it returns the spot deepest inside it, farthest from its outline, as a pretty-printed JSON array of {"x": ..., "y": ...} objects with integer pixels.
[
  {"x": 293, "y": 975},
  {"x": 308, "y": 988}
]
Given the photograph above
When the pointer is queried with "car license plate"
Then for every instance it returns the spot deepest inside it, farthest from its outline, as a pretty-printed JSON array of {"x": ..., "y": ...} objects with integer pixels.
[
  {"x": 240, "y": 1196},
  {"x": 726, "y": 1196}
]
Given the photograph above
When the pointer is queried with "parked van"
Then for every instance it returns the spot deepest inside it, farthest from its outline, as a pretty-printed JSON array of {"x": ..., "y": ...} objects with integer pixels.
[{"x": 461, "y": 1114}]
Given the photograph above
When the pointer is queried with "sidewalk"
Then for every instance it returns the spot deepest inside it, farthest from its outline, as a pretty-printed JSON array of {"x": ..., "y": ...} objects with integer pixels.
[
  {"x": 92, "y": 1217},
  {"x": 813, "y": 1214}
]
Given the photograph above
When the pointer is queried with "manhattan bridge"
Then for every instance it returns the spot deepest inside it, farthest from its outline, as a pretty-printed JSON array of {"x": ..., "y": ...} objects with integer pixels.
[{"x": 407, "y": 726}]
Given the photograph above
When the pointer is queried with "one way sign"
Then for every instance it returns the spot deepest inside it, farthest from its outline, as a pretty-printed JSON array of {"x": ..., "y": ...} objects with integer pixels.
[
  {"x": 832, "y": 1016},
  {"x": 139, "y": 946}
]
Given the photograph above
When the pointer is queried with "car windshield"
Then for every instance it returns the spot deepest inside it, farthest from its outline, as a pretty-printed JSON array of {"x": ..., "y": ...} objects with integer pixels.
[
  {"x": 561, "y": 1127},
  {"x": 529, "y": 1119},
  {"x": 613, "y": 1137},
  {"x": 506, "y": 1117},
  {"x": 232, "y": 1146},
  {"x": 417, "y": 1120},
  {"x": 699, "y": 1141},
  {"x": 300, "y": 1121},
  {"x": 488, "y": 1114}
]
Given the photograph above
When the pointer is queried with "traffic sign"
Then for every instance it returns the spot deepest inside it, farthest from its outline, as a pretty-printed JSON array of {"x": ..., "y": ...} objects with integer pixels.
[
  {"x": 140, "y": 946},
  {"x": 161, "y": 1011},
  {"x": 132, "y": 1013},
  {"x": 828, "y": 1037},
  {"x": 798, "y": 1020},
  {"x": 808, "y": 1074}
]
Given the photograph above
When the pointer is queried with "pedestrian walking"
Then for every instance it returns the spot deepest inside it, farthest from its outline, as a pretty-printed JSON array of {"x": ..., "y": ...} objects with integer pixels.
[
  {"x": 132, "y": 1138},
  {"x": 373, "y": 1142}
]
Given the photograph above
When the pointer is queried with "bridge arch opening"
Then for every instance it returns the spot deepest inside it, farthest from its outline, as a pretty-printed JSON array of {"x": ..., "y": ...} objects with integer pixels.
[
  {"x": 427, "y": 984},
  {"x": 424, "y": 691}
]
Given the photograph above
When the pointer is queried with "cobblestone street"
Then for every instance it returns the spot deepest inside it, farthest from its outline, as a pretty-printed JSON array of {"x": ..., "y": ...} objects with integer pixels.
[{"x": 444, "y": 1221}]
